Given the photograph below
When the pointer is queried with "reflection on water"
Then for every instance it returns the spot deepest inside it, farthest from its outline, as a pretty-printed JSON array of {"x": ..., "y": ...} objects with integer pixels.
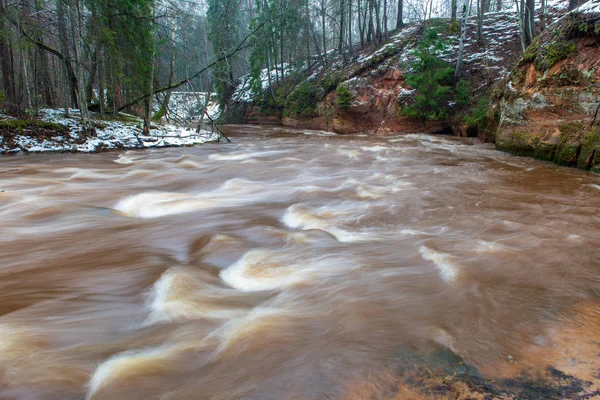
[{"x": 291, "y": 266}]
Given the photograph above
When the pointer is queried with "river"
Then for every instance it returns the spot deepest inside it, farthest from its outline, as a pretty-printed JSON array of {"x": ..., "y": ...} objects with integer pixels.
[{"x": 291, "y": 265}]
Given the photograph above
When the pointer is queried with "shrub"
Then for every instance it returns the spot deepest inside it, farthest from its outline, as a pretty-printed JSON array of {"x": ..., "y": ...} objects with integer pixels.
[
  {"x": 344, "y": 97},
  {"x": 479, "y": 112},
  {"x": 331, "y": 81},
  {"x": 462, "y": 93},
  {"x": 303, "y": 101}
]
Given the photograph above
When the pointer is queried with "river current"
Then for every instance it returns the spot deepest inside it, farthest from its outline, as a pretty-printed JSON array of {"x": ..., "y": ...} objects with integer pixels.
[{"x": 297, "y": 265}]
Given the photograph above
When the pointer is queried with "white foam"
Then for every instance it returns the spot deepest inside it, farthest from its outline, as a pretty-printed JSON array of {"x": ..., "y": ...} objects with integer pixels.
[
  {"x": 487, "y": 247},
  {"x": 263, "y": 270},
  {"x": 374, "y": 148},
  {"x": 369, "y": 192},
  {"x": 320, "y": 133},
  {"x": 125, "y": 159},
  {"x": 575, "y": 238},
  {"x": 351, "y": 154},
  {"x": 157, "y": 204},
  {"x": 591, "y": 185},
  {"x": 180, "y": 295},
  {"x": 232, "y": 193},
  {"x": 245, "y": 155},
  {"x": 448, "y": 270},
  {"x": 122, "y": 366},
  {"x": 412, "y": 232},
  {"x": 326, "y": 219}
]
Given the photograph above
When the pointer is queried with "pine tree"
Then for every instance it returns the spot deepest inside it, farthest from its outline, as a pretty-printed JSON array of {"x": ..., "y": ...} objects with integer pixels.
[{"x": 432, "y": 78}]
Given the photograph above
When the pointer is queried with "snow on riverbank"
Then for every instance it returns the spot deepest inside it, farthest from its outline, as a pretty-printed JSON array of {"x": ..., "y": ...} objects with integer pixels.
[
  {"x": 123, "y": 132},
  {"x": 189, "y": 106}
]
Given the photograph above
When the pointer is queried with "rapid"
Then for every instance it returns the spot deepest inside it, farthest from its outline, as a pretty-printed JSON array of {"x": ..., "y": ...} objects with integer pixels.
[{"x": 297, "y": 265}]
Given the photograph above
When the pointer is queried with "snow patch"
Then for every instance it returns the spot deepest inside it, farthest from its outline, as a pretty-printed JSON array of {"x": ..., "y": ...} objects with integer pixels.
[{"x": 125, "y": 133}]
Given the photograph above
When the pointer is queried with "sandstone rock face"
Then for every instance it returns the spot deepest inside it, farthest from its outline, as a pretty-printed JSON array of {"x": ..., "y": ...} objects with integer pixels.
[
  {"x": 549, "y": 108},
  {"x": 374, "y": 109}
]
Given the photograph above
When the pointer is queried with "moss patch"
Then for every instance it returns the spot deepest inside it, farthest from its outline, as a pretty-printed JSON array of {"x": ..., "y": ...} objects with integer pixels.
[
  {"x": 577, "y": 146},
  {"x": 518, "y": 143},
  {"x": 303, "y": 101},
  {"x": 590, "y": 147},
  {"x": 21, "y": 126},
  {"x": 550, "y": 54}
]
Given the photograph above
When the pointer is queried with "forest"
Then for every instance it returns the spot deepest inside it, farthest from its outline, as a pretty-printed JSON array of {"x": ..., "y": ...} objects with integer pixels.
[{"x": 109, "y": 56}]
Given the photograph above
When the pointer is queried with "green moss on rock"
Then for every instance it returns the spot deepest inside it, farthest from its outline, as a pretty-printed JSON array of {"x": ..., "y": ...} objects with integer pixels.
[
  {"x": 569, "y": 142},
  {"x": 545, "y": 151},
  {"x": 552, "y": 53},
  {"x": 518, "y": 143},
  {"x": 303, "y": 100},
  {"x": 590, "y": 147},
  {"x": 595, "y": 161},
  {"x": 19, "y": 125}
]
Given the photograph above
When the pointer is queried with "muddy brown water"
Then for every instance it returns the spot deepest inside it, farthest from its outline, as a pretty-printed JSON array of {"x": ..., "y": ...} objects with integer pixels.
[{"x": 298, "y": 265}]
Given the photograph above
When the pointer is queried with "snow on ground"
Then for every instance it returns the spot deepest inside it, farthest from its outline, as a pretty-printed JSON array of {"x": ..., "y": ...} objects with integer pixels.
[
  {"x": 124, "y": 132},
  {"x": 243, "y": 93},
  {"x": 189, "y": 106},
  {"x": 591, "y": 7},
  {"x": 500, "y": 33}
]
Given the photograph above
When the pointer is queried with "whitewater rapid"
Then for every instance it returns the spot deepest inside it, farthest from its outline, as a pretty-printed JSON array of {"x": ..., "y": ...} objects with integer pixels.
[{"x": 287, "y": 265}]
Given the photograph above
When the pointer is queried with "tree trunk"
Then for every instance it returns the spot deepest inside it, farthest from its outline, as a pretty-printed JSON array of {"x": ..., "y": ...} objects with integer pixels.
[
  {"x": 480, "y": 8},
  {"x": 371, "y": 28},
  {"x": 148, "y": 115},
  {"x": 323, "y": 27},
  {"x": 453, "y": 9},
  {"x": 400, "y": 16},
  {"x": 342, "y": 25},
  {"x": 350, "y": 25},
  {"x": 307, "y": 34},
  {"x": 385, "y": 22},
  {"x": 66, "y": 52},
  {"x": 360, "y": 30},
  {"x": 93, "y": 72},
  {"x": 6, "y": 56},
  {"x": 573, "y": 4},
  {"x": 528, "y": 21},
  {"x": 281, "y": 39},
  {"x": 542, "y": 14},
  {"x": 461, "y": 47},
  {"x": 378, "y": 35},
  {"x": 77, "y": 34},
  {"x": 101, "y": 80}
]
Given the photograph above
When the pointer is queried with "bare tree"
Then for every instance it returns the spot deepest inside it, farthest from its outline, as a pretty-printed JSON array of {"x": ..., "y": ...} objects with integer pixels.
[{"x": 399, "y": 15}]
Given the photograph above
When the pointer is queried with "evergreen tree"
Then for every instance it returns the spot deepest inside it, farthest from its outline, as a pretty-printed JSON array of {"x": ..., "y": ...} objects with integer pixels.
[{"x": 431, "y": 76}]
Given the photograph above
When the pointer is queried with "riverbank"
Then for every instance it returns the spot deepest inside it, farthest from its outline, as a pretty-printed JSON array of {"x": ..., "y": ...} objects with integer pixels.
[{"x": 52, "y": 131}]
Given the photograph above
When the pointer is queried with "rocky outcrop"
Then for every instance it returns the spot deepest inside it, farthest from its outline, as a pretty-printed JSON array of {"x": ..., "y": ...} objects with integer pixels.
[
  {"x": 374, "y": 108},
  {"x": 549, "y": 107}
]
